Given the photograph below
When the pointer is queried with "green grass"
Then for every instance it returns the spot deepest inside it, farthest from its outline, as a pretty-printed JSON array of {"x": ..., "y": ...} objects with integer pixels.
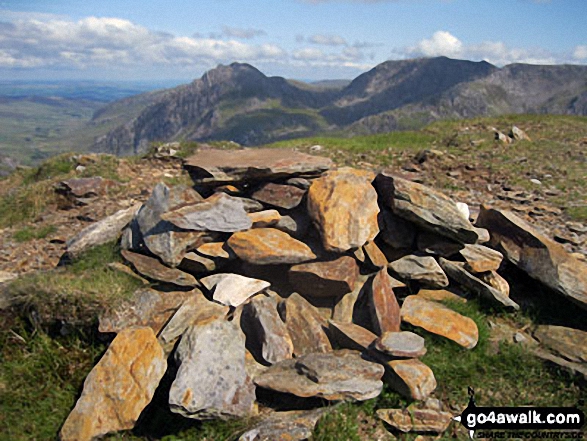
[
  {"x": 26, "y": 194},
  {"x": 76, "y": 293},
  {"x": 30, "y": 233},
  {"x": 40, "y": 377}
]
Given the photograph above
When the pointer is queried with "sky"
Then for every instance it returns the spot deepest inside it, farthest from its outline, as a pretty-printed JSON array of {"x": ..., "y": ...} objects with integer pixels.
[{"x": 299, "y": 39}]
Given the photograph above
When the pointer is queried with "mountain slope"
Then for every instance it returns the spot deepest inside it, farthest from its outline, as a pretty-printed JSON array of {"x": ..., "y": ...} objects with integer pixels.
[{"x": 241, "y": 104}]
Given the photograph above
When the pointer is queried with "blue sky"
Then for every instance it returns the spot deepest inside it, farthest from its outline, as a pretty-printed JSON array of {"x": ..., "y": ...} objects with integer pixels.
[{"x": 303, "y": 39}]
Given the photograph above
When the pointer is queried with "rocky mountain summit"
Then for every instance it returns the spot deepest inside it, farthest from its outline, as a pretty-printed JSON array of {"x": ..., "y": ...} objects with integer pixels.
[
  {"x": 277, "y": 277},
  {"x": 239, "y": 103}
]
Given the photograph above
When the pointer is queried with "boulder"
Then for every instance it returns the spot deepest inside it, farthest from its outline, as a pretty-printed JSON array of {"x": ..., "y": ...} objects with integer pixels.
[
  {"x": 427, "y": 208},
  {"x": 196, "y": 308},
  {"x": 518, "y": 134},
  {"x": 351, "y": 336},
  {"x": 440, "y": 320},
  {"x": 269, "y": 246},
  {"x": 155, "y": 270},
  {"x": 118, "y": 388},
  {"x": 211, "y": 381},
  {"x": 345, "y": 306},
  {"x": 337, "y": 375},
  {"x": 219, "y": 213},
  {"x": 374, "y": 257},
  {"x": 233, "y": 289},
  {"x": 264, "y": 219},
  {"x": 264, "y": 326},
  {"x": 403, "y": 344},
  {"x": 385, "y": 311},
  {"x": 216, "y": 250},
  {"x": 567, "y": 342},
  {"x": 410, "y": 378},
  {"x": 325, "y": 279},
  {"x": 106, "y": 230},
  {"x": 279, "y": 195},
  {"x": 343, "y": 206},
  {"x": 480, "y": 259},
  {"x": 422, "y": 269},
  {"x": 493, "y": 279},
  {"x": 416, "y": 420},
  {"x": 162, "y": 238},
  {"x": 215, "y": 167},
  {"x": 196, "y": 264},
  {"x": 540, "y": 257},
  {"x": 297, "y": 425},
  {"x": 146, "y": 307},
  {"x": 304, "y": 325},
  {"x": 440, "y": 295},
  {"x": 457, "y": 272}
]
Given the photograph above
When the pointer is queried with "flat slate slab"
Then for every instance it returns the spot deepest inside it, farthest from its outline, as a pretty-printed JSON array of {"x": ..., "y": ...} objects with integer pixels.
[
  {"x": 336, "y": 375},
  {"x": 216, "y": 167}
]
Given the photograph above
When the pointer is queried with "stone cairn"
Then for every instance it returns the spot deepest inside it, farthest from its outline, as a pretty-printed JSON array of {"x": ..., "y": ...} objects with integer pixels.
[{"x": 279, "y": 272}]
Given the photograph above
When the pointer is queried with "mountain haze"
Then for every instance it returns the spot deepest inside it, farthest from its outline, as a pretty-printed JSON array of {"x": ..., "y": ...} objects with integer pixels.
[{"x": 239, "y": 103}]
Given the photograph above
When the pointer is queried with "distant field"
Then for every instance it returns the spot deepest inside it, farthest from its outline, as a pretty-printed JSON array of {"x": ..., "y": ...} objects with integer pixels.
[{"x": 42, "y": 119}]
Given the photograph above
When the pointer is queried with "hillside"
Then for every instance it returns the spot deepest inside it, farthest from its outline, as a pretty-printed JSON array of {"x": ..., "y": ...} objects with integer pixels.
[
  {"x": 39, "y": 119},
  {"x": 241, "y": 104},
  {"x": 62, "y": 300}
]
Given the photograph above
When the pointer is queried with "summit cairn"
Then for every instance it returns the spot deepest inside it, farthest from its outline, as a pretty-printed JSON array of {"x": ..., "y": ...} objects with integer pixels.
[{"x": 278, "y": 273}]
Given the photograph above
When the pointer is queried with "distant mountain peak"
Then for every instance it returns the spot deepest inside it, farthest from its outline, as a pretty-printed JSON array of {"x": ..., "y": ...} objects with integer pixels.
[{"x": 238, "y": 102}]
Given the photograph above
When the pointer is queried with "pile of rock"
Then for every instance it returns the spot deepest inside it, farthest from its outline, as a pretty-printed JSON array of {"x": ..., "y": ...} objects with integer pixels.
[{"x": 279, "y": 274}]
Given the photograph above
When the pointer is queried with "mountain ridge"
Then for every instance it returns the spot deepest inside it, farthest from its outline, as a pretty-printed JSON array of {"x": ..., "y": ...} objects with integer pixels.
[{"x": 239, "y": 103}]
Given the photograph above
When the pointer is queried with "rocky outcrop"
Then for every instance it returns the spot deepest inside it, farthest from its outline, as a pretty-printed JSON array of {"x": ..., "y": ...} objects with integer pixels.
[
  {"x": 542, "y": 258},
  {"x": 427, "y": 208}
]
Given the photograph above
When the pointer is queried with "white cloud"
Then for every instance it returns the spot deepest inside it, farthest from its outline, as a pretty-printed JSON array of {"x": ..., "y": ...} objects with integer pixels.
[
  {"x": 580, "y": 52},
  {"x": 327, "y": 40},
  {"x": 106, "y": 42},
  {"x": 441, "y": 43},
  {"x": 495, "y": 52},
  {"x": 308, "y": 53},
  {"x": 242, "y": 33}
]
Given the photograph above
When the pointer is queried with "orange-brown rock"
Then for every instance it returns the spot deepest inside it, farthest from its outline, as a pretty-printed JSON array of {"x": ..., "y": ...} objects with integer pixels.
[
  {"x": 325, "y": 279},
  {"x": 440, "y": 295},
  {"x": 215, "y": 250},
  {"x": 410, "y": 378},
  {"x": 304, "y": 325},
  {"x": 416, "y": 420},
  {"x": 438, "y": 319},
  {"x": 479, "y": 259},
  {"x": 264, "y": 219},
  {"x": 269, "y": 246},
  {"x": 493, "y": 279},
  {"x": 119, "y": 387},
  {"x": 385, "y": 311},
  {"x": 374, "y": 256},
  {"x": 351, "y": 336},
  {"x": 153, "y": 269},
  {"x": 343, "y": 205}
]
